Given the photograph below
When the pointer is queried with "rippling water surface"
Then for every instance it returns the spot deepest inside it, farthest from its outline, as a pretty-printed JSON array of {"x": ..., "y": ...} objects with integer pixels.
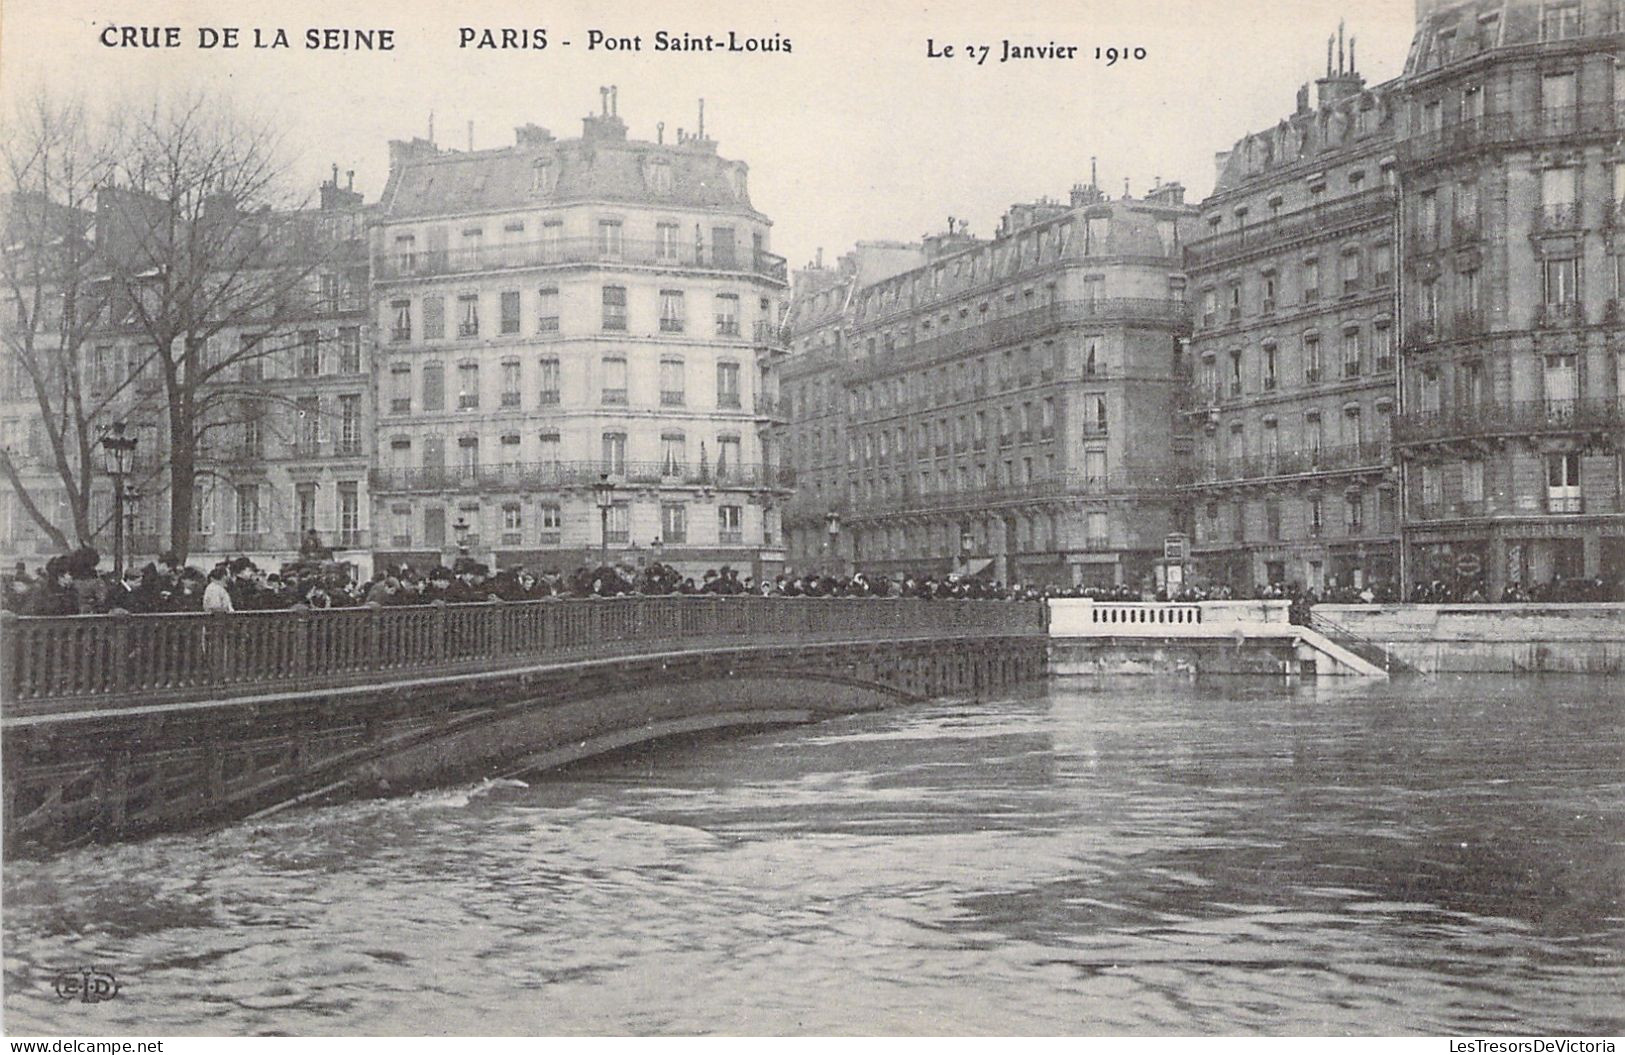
[{"x": 1125, "y": 856}]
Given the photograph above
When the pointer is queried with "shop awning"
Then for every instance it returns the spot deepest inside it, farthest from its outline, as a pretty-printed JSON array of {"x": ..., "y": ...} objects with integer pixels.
[{"x": 978, "y": 567}]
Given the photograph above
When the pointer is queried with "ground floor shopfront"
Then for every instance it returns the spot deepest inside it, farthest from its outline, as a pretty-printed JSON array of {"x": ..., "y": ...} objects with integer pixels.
[
  {"x": 1489, "y": 556},
  {"x": 1356, "y": 563}
]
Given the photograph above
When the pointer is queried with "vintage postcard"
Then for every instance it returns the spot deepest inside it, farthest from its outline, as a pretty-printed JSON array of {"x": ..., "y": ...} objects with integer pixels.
[{"x": 607, "y": 519}]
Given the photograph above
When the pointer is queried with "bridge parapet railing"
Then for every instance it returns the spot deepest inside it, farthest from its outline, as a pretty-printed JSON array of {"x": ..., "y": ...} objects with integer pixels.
[
  {"x": 52, "y": 663},
  {"x": 1084, "y": 617}
]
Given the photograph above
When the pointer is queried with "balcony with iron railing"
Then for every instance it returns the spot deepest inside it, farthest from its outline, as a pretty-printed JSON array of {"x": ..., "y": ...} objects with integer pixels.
[
  {"x": 579, "y": 252},
  {"x": 1506, "y": 506},
  {"x": 1315, "y": 222},
  {"x": 1028, "y": 324},
  {"x": 1148, "y": 484},
  {"x": 538, "y": 475},
  {"x": 1467, "y": 421},
  {"x": 1512, "y": 127},
  {"x": 1355, "y": 457}
]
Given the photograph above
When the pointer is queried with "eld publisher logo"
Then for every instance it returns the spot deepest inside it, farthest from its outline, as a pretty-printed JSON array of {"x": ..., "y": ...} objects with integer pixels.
[{"x": 86, "y": 984}]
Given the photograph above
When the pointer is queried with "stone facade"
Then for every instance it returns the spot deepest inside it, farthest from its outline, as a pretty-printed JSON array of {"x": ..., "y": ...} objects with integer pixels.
[
  {"x": 1009, "y": 404},
  {"x": 559, "y": 314},
  {"x": 1514, "y": 235},
  {"x": 1294, "y": 349}
]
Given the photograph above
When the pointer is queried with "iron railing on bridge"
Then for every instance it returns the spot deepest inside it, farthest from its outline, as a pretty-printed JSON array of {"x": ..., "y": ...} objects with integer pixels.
[{"x": 54, "y": 664}]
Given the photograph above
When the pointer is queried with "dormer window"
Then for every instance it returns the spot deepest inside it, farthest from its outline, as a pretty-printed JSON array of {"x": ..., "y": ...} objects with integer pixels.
[
  {"x": 543, "y": 176},
  {"x": 660, "y": 176}
]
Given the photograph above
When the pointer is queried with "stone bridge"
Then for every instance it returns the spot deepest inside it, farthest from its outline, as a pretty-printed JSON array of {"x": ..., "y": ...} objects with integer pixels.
[{"x": 122, "y": 725}]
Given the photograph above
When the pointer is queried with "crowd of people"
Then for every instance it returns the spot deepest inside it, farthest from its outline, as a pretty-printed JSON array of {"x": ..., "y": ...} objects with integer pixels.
[
  {"x": 1558, "y": 590},
  {"x": 73, "y": 584}
]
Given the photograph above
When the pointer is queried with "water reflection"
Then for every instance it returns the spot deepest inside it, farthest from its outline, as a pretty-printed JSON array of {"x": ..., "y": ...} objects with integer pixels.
[{"x": 1123, "y": 856}]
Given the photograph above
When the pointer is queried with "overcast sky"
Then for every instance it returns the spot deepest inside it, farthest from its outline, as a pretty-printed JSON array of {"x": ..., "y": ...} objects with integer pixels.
[{"x": 855, "y": 134}]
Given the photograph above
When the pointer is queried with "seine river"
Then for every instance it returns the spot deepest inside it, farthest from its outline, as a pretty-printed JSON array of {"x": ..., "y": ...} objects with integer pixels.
[{"x": 1124, "y": 856}]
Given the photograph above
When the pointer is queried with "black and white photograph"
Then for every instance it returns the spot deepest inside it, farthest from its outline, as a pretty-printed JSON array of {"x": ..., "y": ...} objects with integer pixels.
[{"x": 746, "y": 519}]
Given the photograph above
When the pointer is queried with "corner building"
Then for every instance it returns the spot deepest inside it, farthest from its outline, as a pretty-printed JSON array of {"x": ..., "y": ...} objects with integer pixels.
[
  {"x": 564, "y": 312},
  {"x": 1010, "y": 403},
  {"x": 1514, "y": 229},
  {"x": 1294, "y": 350}
]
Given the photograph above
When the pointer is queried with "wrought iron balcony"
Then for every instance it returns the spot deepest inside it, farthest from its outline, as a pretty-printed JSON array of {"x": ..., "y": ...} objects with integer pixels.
[
  {"x": 541, "y": 475},
  {"x": 1351, "y": 457},
  {"x": 1510, "y": 127},
  {"x": 1519, "y": 418},
  {"x": 1148, "y": 484},
  {"x": 1315, "y": 222},
  {"x": 579, "y": 251},
  {"x": 1027, "y": 324}
]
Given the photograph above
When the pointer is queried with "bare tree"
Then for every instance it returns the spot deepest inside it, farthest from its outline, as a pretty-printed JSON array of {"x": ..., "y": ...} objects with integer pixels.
[
  {"x": 52, "y": 302},
  {"x": 209, "y": 263}
]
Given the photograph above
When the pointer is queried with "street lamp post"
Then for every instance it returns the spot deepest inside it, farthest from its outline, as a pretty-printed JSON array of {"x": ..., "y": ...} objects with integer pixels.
[
  {"x": 120, "y": 451},
  {"x": 966, "y": 541},
  {"x": 604, "y": 490},
  {"x": 832, "y": 525}
]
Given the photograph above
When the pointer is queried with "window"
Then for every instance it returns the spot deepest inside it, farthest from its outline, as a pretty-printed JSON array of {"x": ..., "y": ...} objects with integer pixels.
[
  {"x": 1235, "y": 372},
  {"x": 1382, "y": 346},
  {"x": 401, "y": 311},
  {"x": 614, "y": 307},
  {"x": 468, "y": 455},
  {"x": 248, "y": 509},
  {"x": 666, "y": 241},
  {"x": 1561, "y": 380},
  {"x": 618, "y": 522},
  {"x": 350, "y": 423},
  {"x": 671, "y": 311},
  {"x": 727, "y": 314},
  {"x": 349, "y": 349},
  {"x": 1563, "y": 483},
  {"x": 609, "y": 239},
  {"x": 1466, "y": 221},
  {"x": 673, "y": 454},
  {"x": 1559, "y": 191},
  {"x": 1472, "y": 481},
  {"x": 510, "y": 311},
  {"x": 434, "y": 386},
  {"x": 513, "y": 523},
  {"x": 728, "y": 455},
  {"x": 1428, "y": 216},
  {"x": 614, "y": 388},
  {"x": 1311, "y": 280},
  {"x": 400, "y": 388},
  {"x": 1094, "y": 463},
  {"x": 1316, "y": 517},
  {"x": 434, "y": 318},
  {"x": 730, "y": 524},
  {"x": 552, "y": 241},
  {"x": 549, "y": 447},
  {"x": 547, "y": 309},
  {"x": 671, "y": 382},
  {"x": 1351, "y": 353},
  {"x": 1269, "y": 367},
  {"x": 1313, "y": 435},
  {"x": 550, "y": 520},
  {"x": 349, "y": 513},
  {"x": 304, "y": 507},
  {"x": 1560, "y": 21},
  {"x": 541, "y": 176},
  {"x": 1353, "y": 512},
  {"x": 549, "y": 379},
  {"x": 673, "y": 522},
  {"x": 310, "y": 353},
  {"x": 1432, "y": 489},
  {"x": 1562, "y": 281},
  {"x": 1352, "y": 434},
  {"x": 727, "y": 384},
  {"x": 1382, "y": 264},
  {"x": 468, "y": 315},
  {"x": 468, "y": 385},
  {"x": 509, "y": 454},
  {"x": 510, "y": 382}
]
